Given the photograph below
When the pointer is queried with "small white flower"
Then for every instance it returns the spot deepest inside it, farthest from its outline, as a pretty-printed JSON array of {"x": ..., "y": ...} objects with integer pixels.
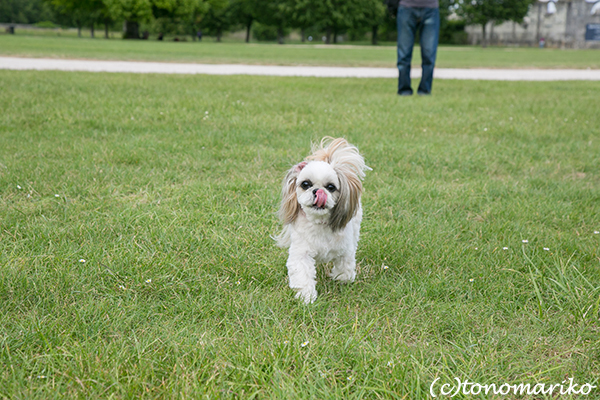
[
  {"x": 19, "y": 187},
  {"x": 148, "y": 280},
  {"x": 349, "y": 378},
  {"x": 476, "y": 248},
  {"x": 304, "y": 344},
  {"x": 286, "y": 342},
  {"x": 547, "y": 249},
  {"x": 385, "y": 267},
  {"x": 525, "y": 241},
  {"x": 132, "y": 118},
  {"x": 81, "y": 260},
  {"x": 485, "y": 129},
  {"x": 57, "y": 195},
  {"x": 238, "y": 282},
  {"x": 322, "y": 374},
  {"x": 510, "y": 118},
  {"x": 122, "y": 287},
  {"x": 206, "y": 112},
  {"x": 596, "y": 232},
  {"x": 161, "y": 113},
  {"x": 505, "y": 248},
  {"x": 42, "y": 376},
  {"x": 390, "y": 364},
  {"x": 471, "y": 280}
]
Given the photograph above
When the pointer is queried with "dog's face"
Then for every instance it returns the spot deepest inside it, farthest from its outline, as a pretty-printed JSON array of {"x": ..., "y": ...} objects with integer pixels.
[{"x": 317, "y": 188}]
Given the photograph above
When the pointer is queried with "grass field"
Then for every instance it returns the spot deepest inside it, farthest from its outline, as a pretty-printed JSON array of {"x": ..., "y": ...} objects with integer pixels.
[
  {"x": 136, "y": 258},
  {"x": 240, "y": 53}
]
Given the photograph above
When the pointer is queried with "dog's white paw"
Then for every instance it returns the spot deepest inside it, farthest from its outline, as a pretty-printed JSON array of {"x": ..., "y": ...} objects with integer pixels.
[
  {"x": 345, "y": 276},
  {"x": 308, "y": 294}
]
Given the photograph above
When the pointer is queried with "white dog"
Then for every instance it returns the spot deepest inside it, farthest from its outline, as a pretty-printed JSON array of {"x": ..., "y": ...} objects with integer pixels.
[{"x": 321, "y": 213}]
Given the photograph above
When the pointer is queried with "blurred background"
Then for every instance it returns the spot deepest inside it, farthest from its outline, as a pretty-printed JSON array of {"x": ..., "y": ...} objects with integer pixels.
[{"x": 549, "y": 23}]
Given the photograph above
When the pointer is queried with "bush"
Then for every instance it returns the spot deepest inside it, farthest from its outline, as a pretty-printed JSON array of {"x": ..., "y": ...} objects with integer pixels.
[
  {"x": 266, "y": 33},
  {"x": 453, "y": 32},
  {"x": 46, "y": 24}
]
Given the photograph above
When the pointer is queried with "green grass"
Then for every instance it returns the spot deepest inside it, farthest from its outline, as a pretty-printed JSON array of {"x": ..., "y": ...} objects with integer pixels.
[
  {"x": 167, "y": 187},
  {"x": 238, "y": 53}
]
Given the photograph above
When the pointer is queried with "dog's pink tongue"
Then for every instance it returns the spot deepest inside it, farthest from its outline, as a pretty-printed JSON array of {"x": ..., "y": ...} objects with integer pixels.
[{"x": 320, "y": 198}]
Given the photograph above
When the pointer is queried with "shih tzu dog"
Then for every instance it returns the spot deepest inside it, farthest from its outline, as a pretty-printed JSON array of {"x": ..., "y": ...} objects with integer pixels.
[{"x": 321, "y": 215}]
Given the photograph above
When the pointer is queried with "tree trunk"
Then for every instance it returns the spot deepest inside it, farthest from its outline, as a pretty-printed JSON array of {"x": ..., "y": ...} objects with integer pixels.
[
  {"x": 92, "y": 30},
  {"x": 248, "y": 27},
  {"x": 328, "y": 35},
  {"x": 106, "y": 28},
  {"x": 219, "y": 34},
  {"x": 302, "y": 35},
  {"x": 78, "y": 28},
  {"x": 484, "y": 38},
  {"x": 280, "y": 35},
  {"x": 132, "y": 30},
  {"x": 335, "y": 35},
  {"x": 539, "y": 21},
  {"x": 374, "y": 38}
]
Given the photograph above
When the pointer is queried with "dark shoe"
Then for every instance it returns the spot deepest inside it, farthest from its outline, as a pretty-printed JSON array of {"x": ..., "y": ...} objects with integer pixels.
[
  {"x": 405, "y": 93},
  {"x": 423, "y": 94}
]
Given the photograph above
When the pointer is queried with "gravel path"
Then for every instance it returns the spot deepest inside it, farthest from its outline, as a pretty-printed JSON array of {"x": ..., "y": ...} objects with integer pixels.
[{"x": 17, "y": 63}]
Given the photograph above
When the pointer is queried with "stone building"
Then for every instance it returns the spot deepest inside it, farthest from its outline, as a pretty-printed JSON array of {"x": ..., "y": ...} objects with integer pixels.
[{"x": 567, "y": 27}]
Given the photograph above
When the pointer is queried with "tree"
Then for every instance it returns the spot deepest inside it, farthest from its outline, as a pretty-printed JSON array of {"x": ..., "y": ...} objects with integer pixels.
[
  {"x": 303, "y": 16},
  {"x": 335, "y": 16},
  {"x": 243, "y": 12},
  {"x": 370, "y": 14},
  {"x": 218, "y": 18},
  {"x": 74, "y": 10},
  {"x": 277, "y": 13},
  {"x": 133, "y": 12},
  {"x": 484, "y": 11},
  {"x": 25, "y": 11},
  {"x": 178, "y": 16}
]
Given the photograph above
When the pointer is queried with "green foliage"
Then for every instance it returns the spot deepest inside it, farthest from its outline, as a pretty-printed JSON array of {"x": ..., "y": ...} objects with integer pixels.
[
  {"x": 481, "y": 12},
  {"x": 178, "y": 16},
  {"x": 217, "y": 19},
  {"x": 484, "y": 11},
  {"x": 276, "y": 13},
  {"x": 265, "y": 33},
  {"x": 453, "y": 32},
  {"x": 130, "y": 10},
  {"x": 46, "y": 24},
  {"x": 25, "y": 11}
]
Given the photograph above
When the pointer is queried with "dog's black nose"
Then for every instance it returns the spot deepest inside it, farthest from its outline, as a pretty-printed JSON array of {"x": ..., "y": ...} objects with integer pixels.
[{"x": 315, "y": 191}]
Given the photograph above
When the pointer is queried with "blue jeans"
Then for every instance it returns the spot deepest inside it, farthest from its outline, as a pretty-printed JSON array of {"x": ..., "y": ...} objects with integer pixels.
[{"x": 427, "y": 22}]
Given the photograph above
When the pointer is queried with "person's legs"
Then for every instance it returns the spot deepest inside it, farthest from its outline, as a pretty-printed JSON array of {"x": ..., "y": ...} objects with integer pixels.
[
  {"x": 430, "y": 33},
  {"x": 407, "y": 25}
]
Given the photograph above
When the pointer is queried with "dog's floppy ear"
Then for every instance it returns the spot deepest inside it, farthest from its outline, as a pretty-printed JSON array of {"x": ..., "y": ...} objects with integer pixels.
[
  {"x": 289, "y": 208},
  {"x": 349, "y": 200}
]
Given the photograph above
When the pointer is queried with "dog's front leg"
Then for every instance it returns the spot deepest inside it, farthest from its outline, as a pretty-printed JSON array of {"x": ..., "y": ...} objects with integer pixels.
[
  {"x": 344, "y": 269},
  {"x": 302, "y": 273}
]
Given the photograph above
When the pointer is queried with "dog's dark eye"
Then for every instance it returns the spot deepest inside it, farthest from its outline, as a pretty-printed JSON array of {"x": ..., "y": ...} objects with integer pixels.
[
  {"x": 306, "y": 184},
  {"x": 331, "y": 187}
]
